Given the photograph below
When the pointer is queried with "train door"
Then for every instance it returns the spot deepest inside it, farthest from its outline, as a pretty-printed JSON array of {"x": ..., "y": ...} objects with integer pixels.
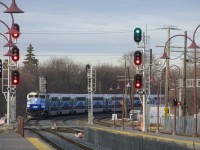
[
  {"x": 54, "y": 106},
  {"x": 98, "y": 103},
  {"x": 118, "y": 102},
  {"x": 112, "y": 103},
  {"x": 81, "y": 106},
  {"x": 65, "y": 105}
]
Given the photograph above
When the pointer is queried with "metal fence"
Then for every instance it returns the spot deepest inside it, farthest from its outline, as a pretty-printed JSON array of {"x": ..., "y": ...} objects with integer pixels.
[{"x": 184, "y": 125}]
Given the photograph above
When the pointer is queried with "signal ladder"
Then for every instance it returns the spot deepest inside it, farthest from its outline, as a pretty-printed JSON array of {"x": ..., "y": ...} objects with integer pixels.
[
  {"x": 91, "y": 84},
  {"x": 5, "y": 78},
  {"x": 12, "y": 88}
]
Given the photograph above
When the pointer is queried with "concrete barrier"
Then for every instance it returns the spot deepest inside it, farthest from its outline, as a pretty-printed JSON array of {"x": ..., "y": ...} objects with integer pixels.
[{"x": 116, "y": 141}]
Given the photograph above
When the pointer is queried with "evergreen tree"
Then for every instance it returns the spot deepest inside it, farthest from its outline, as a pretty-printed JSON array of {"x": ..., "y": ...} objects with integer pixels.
[{"x": 30, "y": 62}]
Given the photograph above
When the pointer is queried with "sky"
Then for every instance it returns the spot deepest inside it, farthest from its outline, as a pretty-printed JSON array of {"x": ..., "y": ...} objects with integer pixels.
[{"x": 99, "y": 31}]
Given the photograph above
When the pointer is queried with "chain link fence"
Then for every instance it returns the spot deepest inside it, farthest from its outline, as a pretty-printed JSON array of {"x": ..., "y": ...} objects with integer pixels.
[{"x": 184, "y": 125}]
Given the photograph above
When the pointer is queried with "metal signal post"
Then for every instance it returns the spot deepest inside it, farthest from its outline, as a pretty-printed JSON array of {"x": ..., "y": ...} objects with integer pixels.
[
  {"x": 9, "y": 89},
  {"x": 139, "y": 61},
  {"x": 91, "y": 85}
]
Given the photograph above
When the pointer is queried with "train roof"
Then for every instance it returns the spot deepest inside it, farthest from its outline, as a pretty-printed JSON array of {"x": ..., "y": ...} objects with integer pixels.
[{"x": 60, "y": 95}]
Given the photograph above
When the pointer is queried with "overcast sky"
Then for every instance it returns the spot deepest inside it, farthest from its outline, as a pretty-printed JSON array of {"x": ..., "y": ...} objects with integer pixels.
[{"x": 102, "y": 30}]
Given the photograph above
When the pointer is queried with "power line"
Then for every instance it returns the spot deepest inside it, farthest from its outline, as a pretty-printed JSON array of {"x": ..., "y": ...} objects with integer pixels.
[
  {"x": 63, "y": 33},
  {"x": 76, "y": 44},
  {"x": 71, "y": 55}
]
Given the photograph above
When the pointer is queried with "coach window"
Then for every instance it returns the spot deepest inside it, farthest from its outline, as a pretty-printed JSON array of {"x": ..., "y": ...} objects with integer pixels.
[
  {"x": 30, "y": 96},
  {"x": 42, "y": 96}
]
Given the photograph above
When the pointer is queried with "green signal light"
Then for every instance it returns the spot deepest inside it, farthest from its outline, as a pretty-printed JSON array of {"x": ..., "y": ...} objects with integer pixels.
[
  {"x": 137, "y": 35},
  {"x": 137, "y": 31}
]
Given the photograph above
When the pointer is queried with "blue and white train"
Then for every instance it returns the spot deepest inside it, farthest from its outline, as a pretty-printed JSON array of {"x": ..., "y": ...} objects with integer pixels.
[{"x": 49, "y": 104}]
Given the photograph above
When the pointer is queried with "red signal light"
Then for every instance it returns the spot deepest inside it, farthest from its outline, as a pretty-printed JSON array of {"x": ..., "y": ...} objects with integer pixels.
[
  {"x": 15, "y": 77},
  {"x": 138, "y": 58},
  {"x": 15, "y": 35},
  {"x": 15, "y": 81},
  {"x": 15, "y": 51},
  {"x": 138, "y": 81},
  {"x": 138, "y": 85},
  {"x": 137, "y": 62}
]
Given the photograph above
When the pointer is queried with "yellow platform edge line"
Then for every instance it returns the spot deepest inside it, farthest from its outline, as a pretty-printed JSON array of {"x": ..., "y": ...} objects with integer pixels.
[{"x": 37, "y": 143}]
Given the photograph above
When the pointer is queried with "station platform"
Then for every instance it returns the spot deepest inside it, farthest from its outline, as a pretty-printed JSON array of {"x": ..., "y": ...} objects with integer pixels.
[
  {"x": 189, "y": 141},
  {"x": 10, "y": 140}
]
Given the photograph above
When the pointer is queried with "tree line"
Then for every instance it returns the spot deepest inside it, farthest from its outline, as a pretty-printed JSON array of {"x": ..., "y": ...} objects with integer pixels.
[{"x": 66, "y": 76}]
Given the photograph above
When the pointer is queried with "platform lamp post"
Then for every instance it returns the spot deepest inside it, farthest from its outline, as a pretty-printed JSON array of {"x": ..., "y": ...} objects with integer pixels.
[
  {"x": 165, "y": 56},
  {"x": 174, "y": 73},
  {"x": 157, "y": 78},
  {"x": 129, "y": 85},
  {"x": 12, "y": 9},
  {"x": 195, "y": 47},
  {"x": 123, "y": 101},
  {"x": 111, "y": 90},
  {"x": 10, "y": 54},
  {"x": 119, "y": 88}
]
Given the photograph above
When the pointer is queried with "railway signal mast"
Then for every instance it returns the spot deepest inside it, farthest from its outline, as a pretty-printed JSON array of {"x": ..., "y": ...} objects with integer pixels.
[
  {"x": 8, "y": 69},
  {"x": 91, "y": 86},
  {"x": 139, "y": 79}
]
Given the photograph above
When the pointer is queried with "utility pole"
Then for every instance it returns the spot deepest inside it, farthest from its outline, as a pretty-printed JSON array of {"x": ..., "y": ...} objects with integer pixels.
[
  {"x": 167, "y": 75},
  {"x": 125, "y": 91},
  {"x": 150, "y": 69},
  {"x": 184, "y": 75},
  {"x": 129, "y": 88},
  {"x": 169, "y": 28}
]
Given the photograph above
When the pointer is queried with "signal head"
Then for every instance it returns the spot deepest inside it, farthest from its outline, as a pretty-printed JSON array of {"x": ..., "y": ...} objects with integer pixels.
[
  {"x": 1, "y": 68},
  {"x": 15, "y": 51},
  {"x": 137, "y": 35},
  {"x": 175, "y": 101},
  {"x": 138, "y": 81},
  {"x": 17, "y": 28},
  {"x": 138, "y": 58},
  {"x": 15, "y": 77}
]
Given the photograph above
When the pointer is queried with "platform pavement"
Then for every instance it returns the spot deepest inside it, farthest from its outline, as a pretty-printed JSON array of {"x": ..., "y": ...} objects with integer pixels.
[{"x": 10, "y": 140}]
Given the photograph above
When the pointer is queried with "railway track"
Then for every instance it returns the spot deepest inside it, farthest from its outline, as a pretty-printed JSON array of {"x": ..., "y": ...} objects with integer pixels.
[
  {"x": 63, "y": 136},
  {"x": 62, "y": 141},
  {"x": 102, "y": 122}
]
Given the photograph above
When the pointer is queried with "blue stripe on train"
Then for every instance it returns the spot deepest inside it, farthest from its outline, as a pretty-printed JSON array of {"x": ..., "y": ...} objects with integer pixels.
[{"x": 35, "y": 107}]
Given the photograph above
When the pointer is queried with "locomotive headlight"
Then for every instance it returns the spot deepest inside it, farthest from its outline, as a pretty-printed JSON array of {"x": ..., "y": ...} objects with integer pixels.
[{"x": 28, "y": 104}]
